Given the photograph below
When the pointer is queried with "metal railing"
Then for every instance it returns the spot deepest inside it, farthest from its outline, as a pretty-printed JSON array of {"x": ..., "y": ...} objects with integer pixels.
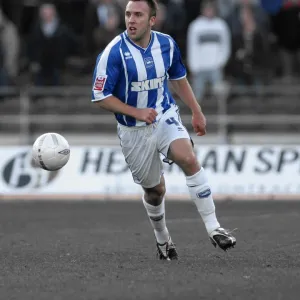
[{"x": 25, "y": 115}]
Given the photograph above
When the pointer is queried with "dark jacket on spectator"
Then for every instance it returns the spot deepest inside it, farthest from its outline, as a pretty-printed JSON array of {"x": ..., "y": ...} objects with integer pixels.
[
  {"x": 249, "y": 59},
  {"x": 95, "y": 32},
  {"x": 286, "y": 27},
  {"x": 51, "y": 51}
]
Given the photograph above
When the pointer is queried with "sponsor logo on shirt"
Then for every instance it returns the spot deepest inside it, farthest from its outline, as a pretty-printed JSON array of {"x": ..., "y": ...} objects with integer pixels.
[{"x": 147, "y": 85}]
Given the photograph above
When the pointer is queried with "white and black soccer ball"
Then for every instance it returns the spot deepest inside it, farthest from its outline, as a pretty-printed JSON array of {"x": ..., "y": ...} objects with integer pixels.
[{"x": 51, "y": 151}]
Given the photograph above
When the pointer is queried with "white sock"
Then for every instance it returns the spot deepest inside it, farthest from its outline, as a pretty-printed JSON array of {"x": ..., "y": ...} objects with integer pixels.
[
  {"x": 157, "y": 219},
  {"x": 201, "y": 194}
]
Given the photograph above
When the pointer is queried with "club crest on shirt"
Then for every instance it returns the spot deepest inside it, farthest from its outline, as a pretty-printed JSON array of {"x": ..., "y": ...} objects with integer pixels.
[
  {"x": 100, "y": 83},
  {"x": 149, "y": 63}
]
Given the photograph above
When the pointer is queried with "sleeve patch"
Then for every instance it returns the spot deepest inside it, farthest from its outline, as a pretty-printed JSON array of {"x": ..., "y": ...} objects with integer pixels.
[{"x": 100, "y": 83}]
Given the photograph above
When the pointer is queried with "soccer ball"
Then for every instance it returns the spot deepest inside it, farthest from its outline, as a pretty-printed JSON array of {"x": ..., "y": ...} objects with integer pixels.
[{"x": 51, "y": 151}]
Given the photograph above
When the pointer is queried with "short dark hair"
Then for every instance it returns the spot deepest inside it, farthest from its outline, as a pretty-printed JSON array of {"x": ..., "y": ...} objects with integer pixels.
[
  {"x": 207, "y": 3},
  {"x": 151, "y": 3}
]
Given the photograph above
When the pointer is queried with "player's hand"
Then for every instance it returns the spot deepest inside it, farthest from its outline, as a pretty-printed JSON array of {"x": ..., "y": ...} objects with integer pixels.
[
  {"x": 199, "y": 123},
  {"x": 147, "y": 115}
]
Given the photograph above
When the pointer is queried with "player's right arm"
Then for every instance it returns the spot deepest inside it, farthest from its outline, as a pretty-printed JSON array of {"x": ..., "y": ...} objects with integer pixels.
[
  {"x": 106, "y": 75},
  {"x": 113, "y": 104}
]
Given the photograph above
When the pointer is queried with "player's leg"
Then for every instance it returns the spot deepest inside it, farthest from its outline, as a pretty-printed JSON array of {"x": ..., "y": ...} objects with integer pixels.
[
  {"x": 154, "y": 203},
  {"x": 181, "y": 152},
  {"x": 176, "y": 145},
  {"x": 139, "y": 147}
]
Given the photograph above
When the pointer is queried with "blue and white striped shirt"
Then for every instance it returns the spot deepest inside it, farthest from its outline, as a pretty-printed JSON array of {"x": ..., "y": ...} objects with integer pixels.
[{"x": 137, "y": 76}]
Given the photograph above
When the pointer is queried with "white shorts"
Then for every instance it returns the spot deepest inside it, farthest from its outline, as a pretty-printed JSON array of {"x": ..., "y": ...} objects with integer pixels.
[{"x": 142, "y": 146}]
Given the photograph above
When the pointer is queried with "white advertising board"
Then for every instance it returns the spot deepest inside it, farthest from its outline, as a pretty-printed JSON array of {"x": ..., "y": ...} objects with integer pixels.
[{"x": 101, "y": 172}]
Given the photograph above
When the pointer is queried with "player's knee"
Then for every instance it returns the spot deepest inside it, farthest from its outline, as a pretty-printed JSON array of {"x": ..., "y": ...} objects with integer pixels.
[
  {"x": 154, "y": 196},
  {"x": 157, "y": 192},
  {"x": 188, "y": 163},
  {"x": 190, "y": 160}
]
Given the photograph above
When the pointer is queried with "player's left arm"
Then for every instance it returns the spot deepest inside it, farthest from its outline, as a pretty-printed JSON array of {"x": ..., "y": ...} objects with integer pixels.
[
  {"x": 177, "y": 77},
  {"x": 184, "y": 91}
]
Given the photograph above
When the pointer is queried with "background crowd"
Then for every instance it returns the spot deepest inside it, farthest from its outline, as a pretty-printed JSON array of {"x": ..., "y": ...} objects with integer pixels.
[{"x": 246, "y": 42}]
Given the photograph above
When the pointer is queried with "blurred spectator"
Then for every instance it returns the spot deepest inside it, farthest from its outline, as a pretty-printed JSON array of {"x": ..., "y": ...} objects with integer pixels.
[
  {"x": 192, "y": 9},
  {"x": 208, "y": 50},
  {"x": 272, "y": 7},
  {"x": 9, "y": 51},
  {"x": 161, "y": 17},
  {"x": 225, "y": 8},
  {"x": 250, "y": 52},
  {"x": 12, "y": 9},
  {"x": 286, "y": 27},
  {"x": 50, "y": 43},
  {"x": 26, "y": 16},
  {"x": 102, "y": 23},
  {"x": 260, "y": 16},
  {"x": 72, "y": 13},
  {"x": 175, "y": 18},
  {"x": 175, "y": 23},
  {"x": 121, "y": 3}
]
